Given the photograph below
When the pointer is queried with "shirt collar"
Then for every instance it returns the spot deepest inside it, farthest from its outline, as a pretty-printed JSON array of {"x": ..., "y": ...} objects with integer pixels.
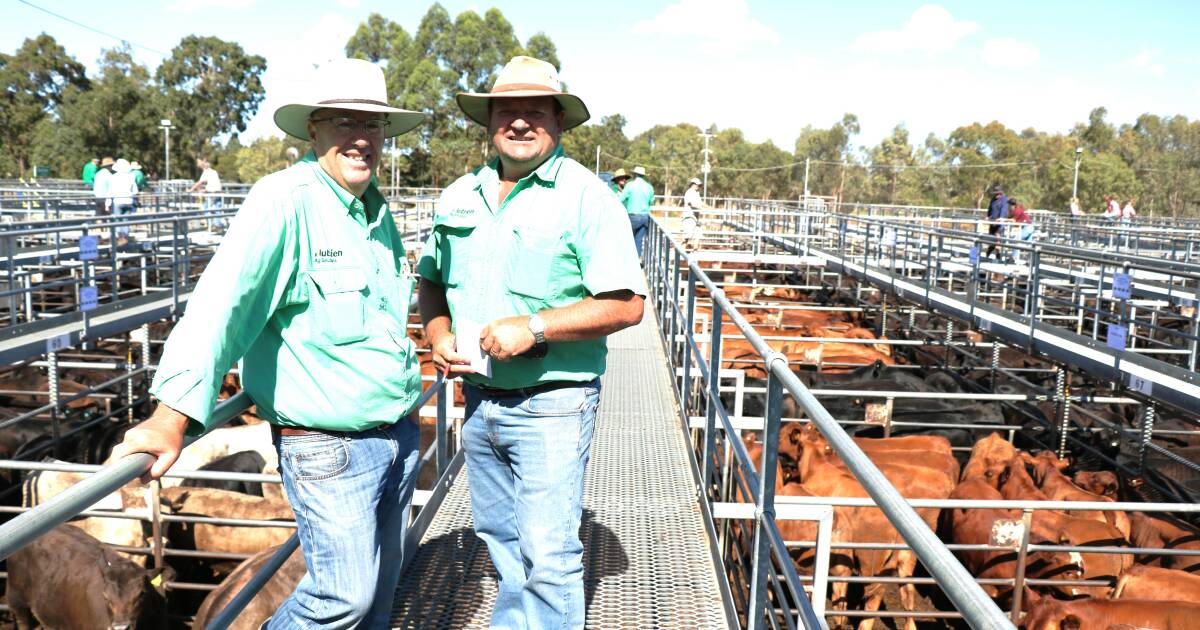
[
  {"x": 375, "y": 201},
  {"x": 547, "y": 171}
]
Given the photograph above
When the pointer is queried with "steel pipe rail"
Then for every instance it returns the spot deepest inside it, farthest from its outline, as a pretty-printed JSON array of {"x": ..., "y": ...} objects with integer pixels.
[{"x": 27, "y": 527}]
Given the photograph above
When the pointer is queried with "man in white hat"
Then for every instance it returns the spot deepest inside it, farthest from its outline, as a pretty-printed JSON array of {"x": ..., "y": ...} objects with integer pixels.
[
  {"x": 122, "y": 190},
  {"x": 637, "y": 197},
  {"x": 529, "y": 262},
  {"x": 310, "y": 289}
]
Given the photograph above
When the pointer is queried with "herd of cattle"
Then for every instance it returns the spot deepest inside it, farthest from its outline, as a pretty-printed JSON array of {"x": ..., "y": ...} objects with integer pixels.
[{"x": 85, "y": 574}]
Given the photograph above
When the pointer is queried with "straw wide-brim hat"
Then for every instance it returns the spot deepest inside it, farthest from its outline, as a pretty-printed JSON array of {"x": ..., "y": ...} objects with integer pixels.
[
  {"x": 524, "y": 77},
  {"x": 620, "y": 174},
  {"x": 637, "y": 170},
  {"x": 106, "y": 162},
  {"x": 135, "y": 166},
  {"x": 350, "y": 84}
]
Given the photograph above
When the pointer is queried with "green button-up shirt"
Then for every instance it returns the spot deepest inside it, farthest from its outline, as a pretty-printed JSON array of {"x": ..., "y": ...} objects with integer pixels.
[
  {"x": 637, "y": 196},
  {"x": 311, "y": 289},
  {"x": 558, "y": 237}
]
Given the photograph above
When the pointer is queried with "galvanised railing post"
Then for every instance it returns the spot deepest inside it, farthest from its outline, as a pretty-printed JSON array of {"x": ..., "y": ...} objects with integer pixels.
[
  {"x": 689, "y": 325},
  {"x": 674, "y": 302},
  {"x": 714, "y": 393},
  {"x": 764, "y": 513}
]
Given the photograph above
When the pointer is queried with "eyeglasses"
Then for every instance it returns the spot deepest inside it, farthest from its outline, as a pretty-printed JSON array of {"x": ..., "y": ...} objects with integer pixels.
[{"x": 348, "y": 125}]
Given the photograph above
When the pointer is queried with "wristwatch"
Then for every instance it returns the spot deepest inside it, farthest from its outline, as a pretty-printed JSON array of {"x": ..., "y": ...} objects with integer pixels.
[{"x": 537, "y": 326}]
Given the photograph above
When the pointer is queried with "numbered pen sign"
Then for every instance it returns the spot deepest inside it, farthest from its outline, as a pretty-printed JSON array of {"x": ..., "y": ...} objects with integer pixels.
[
  {"x": 87, "y": 298},
  {"x": 1116, "y": 337},
  {"x": 58, "y": 342},
  {"x": 89, "y": 248},
  {"x": 973, "y": 255},
  {"x": 1121, "y": 285},
  {"x": 1141, "y": 384}
]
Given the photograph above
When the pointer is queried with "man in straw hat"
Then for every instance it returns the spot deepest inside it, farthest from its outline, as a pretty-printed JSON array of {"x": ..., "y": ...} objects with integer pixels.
[
  {"x": 529, "y": 262},
  {"x": 100, "y": 185},
  {"x": 311, "y": 288},
  {"x": 619, "y": 179},
  {"x": 692, "y": 205},
  {"x": 638, "y": 197}
]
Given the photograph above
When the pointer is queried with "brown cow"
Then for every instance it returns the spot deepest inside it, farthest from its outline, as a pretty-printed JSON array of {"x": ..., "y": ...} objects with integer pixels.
[
  {"x": 1018, "y": 485},
  {"x": 1143, "y": 582},
  {"x": 1161, "y": 531},
  {"x": 1046, "y": 613},
  {"x": 975, "y": 526},
  {"x": 881, "y": 451},
  {"x": 1101, "y": 482},
  {"x": 989, "y": 457},
  {"x": 209, "y": 502},
  {"x": 68, "y": 580},
  {"x": 265, "y": 603},
  {"x": 1047, "y": 469}
]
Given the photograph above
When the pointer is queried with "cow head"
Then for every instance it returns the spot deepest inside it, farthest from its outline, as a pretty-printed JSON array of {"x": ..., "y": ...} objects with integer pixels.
[{"x": 129, "y": 592}]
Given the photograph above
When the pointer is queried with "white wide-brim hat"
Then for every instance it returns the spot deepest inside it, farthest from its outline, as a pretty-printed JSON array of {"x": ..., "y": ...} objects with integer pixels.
[
  {"x": 352, "y": 84},
  {"x": 524, "y": 77},
  {"x": 696, "y": 181},
  {"x": 638, "y": 170},
  {"x": 121, "y": 166}
]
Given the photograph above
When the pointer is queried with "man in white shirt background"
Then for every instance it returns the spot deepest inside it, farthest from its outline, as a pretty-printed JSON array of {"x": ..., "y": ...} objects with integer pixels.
[
  {"x": 692, "y": 205},
  {"x": 211, "y": 181}
]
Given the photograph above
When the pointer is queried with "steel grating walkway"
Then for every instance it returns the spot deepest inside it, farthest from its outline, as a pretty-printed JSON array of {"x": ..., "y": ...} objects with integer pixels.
[{"x": 646, "y": 556}]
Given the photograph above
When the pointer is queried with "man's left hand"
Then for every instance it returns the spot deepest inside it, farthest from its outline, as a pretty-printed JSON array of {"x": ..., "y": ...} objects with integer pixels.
[{"x": 506, "y": 337}]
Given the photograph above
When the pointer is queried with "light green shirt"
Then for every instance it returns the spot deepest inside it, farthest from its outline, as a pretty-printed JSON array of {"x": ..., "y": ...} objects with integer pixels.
[
  {"x": 559, "y": 237},
  {"x": 311, "y": 289},
  {"x": 637, "y": 196}
]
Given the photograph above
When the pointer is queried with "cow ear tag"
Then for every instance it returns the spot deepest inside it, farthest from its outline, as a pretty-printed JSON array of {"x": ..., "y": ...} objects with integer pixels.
[{"x": 157, "y": 581}]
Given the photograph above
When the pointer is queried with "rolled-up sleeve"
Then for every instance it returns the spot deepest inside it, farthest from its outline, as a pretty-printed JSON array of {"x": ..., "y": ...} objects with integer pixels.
[
  {"x": 604, "y": 247},
  {"x": 237, "y": 295}
]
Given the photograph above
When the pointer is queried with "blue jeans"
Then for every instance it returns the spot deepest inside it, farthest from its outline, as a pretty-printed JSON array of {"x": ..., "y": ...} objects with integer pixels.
[
  {"x": 122, "y": 209},
  {"x": 351, "y": 494},
  {"x": 639, "y": 223},
  {"x": 525, "y": 460}
]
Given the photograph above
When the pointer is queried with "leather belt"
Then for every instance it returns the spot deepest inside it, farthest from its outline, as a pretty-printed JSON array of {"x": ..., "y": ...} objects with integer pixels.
[
  {"x": 293, "y": 431},
  {"x": 525, "y": 392}
]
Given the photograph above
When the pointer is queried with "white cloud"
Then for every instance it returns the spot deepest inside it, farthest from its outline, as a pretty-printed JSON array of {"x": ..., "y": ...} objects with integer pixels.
[
  {"x": 349, "y": 4},
  {"x": 1144, "y": 62},
  {"x": 193, "y": 6},
  {"x": 1004, "y": 52},
  {"x": 931, "y": 29},
  {"x": 719, "y": 23}
]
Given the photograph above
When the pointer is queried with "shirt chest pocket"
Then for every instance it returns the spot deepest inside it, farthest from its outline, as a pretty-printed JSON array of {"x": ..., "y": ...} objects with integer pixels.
[
  {"x": 454, "y": 255},
  {"x": 531, "y": 263},
  {"x": 340, "y": 309}
]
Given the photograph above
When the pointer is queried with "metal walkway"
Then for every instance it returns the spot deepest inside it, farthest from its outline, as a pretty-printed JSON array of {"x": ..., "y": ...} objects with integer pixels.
[{"x": 646, "y": 554}]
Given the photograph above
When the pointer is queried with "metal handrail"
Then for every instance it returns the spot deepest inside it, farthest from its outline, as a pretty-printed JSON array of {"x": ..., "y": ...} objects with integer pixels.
[
  {"x": 234, "y": 608},
  {"x": 959, "y": 586}
]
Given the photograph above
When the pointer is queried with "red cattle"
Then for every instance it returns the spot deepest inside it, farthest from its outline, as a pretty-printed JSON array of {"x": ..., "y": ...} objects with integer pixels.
[
  {"x": 1161, "y": 531},
  {"x": 1047, "y": 470},
  {"x": 989, "y": 457},
  {"x": 885, "y": 450},
  {"x": 1046, "y": 613},
  {"x": 1143, "y": 582},
  {"x": 1101, "y": 482}
]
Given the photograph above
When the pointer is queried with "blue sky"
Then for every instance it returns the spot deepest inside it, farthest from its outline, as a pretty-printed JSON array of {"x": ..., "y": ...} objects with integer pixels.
[{"x": 768, "y": 68}]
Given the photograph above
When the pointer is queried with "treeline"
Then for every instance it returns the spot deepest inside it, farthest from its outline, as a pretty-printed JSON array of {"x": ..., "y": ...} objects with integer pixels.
[{"x": 54, "y": 115}]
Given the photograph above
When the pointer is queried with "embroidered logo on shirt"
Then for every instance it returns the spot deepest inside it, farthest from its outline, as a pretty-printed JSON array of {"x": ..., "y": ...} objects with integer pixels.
[
  {"x": 462, "y": 212},
  {"x": 327, "y": 256}
]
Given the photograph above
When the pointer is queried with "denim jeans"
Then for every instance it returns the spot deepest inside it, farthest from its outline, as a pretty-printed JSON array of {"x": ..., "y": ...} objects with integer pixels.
[
  {"x": 123, "y": 209},
  {"x": 351, "y": 494},
  {"x": 639, "y": 223},
  {"x": 525, "y": 461}
]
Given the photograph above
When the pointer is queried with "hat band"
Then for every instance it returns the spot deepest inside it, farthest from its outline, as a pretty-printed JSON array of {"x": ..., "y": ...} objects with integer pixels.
[
  {"x": 516, "y": 87},
  {"x": 353, "y": 101}
]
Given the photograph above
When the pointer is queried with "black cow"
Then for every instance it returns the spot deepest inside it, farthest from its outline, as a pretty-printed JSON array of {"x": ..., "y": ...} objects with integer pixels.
[
  {"x": 68, "y": 580},
  {"x": 242, "y": 462}
]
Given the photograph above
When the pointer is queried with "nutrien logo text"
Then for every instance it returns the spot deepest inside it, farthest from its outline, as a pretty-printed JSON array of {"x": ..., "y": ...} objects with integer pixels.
[{"x": 327, "y": 255}]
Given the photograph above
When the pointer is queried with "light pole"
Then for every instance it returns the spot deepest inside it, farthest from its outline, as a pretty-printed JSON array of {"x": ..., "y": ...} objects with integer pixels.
[
  {"x": 706, "y": 167},
  {"x": 1075, "y": 184},
  {"x": 166, "y": 127}
]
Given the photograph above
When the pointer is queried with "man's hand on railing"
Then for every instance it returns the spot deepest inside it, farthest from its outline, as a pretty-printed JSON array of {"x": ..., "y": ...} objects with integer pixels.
[{"x": 161, "y": 436}]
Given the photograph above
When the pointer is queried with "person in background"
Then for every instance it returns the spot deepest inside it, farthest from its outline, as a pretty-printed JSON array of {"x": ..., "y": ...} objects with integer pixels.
[
  {"x": 210, "y": 198},
  {"x": 997, "y": 213},
  {"x": 1076, "y": 209},
  {"x": 89, "y": 171},
  {"x": 619, "y": 179},
  {"x": 1020, "y": 216},
  {"x": 100, "y": 186},
  {"x": 122, "y": 190},
  {"x": 1128, "y": 212},
  {"x": 139, "y": 177},
  {"x": 692, "y": 205},
  {"x": 1112, "y": 207},
  {"x": 637, "y": 196}
]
